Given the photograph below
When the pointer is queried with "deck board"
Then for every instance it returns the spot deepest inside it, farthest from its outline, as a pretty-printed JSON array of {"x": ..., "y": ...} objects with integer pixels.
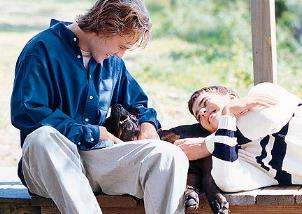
[
  {"x": 278, "y": 195},
  {"x": 242, "y": 198},
  {"x": 14, "y": 198}
]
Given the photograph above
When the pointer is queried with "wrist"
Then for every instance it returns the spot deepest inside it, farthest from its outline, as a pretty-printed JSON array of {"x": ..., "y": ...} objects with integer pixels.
[
  {"x": 103, "y": 133},
  {"x": 227, "y": 111},
  {"x": 147, "y": 125}
]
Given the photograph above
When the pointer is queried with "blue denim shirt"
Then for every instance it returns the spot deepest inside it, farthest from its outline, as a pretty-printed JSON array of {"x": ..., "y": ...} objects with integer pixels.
[{"x": 53, "y": 88}]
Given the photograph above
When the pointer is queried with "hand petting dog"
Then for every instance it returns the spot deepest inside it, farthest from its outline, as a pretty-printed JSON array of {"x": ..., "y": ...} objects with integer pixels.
[
  {"x": 194, "y": 148},
  {"x": 147, "y": 131}
]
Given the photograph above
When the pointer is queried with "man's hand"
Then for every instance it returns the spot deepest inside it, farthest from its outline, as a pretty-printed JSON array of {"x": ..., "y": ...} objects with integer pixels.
[
  {"x": 105, "y": 135},
  {"x": 148, "y": 131},
  {"x": 239, "y": 107},
  {"x": 194, "y": 148}
]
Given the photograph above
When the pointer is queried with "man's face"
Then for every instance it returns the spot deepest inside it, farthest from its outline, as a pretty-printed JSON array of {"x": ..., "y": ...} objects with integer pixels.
[
  {"x": 102, "y": 47},
  {"x": 207, "y": 107}
]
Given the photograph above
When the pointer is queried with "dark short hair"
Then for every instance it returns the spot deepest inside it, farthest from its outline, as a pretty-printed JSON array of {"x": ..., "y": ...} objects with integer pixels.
[
  {"x": 209, "y": 89},
  {"x": 118, "y": 17}
]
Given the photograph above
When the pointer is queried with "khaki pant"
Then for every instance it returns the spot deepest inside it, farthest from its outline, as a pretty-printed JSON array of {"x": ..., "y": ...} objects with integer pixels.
[{"x": 149, "y": 169}]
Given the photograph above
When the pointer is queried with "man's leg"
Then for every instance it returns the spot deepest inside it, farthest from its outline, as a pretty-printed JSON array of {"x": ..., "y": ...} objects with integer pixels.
[
  {"x": 154, "y": 170},
  {"x": 52, "y": 168}
]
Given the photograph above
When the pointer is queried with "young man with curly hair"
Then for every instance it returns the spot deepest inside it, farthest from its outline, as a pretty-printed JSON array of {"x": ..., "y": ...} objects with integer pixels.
[{"x": 67, "y": 77}]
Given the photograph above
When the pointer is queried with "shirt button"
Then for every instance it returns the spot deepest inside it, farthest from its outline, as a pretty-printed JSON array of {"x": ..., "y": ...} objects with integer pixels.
[
  {"x": 86, "y": 119},
  {"x": 91, "y": 97},
  {"x": 90, "y": 76},
  {"x": 75, "y": 39},
  {"x": 91, "y": 139},
  {"x": 79, "y": 143},
  {"x": 79, "y": 56}
]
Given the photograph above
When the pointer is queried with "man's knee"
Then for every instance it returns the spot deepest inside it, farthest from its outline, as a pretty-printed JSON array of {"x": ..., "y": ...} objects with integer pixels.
[
  {"x": 40, "y": 138},
  {"x": 170, "y": 152}
]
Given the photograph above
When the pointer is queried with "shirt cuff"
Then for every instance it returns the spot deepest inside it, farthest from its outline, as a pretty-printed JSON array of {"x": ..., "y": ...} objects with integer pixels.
[
  {"x": 227, "y": 122},
  {"x": 209, "y": 141},
  {"x": 91, "y": 135}
]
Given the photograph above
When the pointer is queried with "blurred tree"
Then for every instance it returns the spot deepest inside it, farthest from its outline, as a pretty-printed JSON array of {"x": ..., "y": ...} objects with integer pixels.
[{"x": 288, "y": 15}]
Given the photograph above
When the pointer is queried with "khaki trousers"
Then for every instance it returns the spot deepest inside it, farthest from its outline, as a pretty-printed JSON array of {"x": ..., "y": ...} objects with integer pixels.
[{"x": 149, "y": 169}]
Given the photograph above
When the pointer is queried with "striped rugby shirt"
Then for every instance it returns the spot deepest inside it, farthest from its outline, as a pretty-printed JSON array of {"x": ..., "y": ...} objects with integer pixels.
[{"x": 261, "y": 148}]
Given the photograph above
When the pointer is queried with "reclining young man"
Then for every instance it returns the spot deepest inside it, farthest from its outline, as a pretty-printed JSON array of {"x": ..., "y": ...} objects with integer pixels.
[
  {"x": 256, "y": 140},
  {"x": 67, "y": 77}
]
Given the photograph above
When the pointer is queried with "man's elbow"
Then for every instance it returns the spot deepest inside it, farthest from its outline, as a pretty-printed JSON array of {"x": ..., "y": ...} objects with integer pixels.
[
  {"x": 226, "y": 185},
  {"x": 226, "y": 180}
]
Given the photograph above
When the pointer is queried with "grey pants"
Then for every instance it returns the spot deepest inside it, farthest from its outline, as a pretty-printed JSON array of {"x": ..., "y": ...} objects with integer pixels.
[{"x": 149, "y": 169}]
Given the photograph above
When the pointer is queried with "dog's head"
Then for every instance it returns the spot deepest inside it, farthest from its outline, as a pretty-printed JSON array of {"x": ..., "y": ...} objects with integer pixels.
[{"x": 123, "y": 124}]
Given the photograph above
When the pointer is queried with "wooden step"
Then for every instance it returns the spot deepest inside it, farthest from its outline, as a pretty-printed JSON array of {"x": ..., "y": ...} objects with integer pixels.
[{"x": 14, "y": 198}]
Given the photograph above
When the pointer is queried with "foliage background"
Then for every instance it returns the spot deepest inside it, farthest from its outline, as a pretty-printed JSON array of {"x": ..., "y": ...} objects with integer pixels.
[{"x": 195, "y": 43}]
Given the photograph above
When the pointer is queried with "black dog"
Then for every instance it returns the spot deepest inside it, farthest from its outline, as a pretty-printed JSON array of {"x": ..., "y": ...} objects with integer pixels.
[
  {"x": 122, "y": 124},
  {"x": 125, "y": 126},
  {"x": 199, "y": 175}
]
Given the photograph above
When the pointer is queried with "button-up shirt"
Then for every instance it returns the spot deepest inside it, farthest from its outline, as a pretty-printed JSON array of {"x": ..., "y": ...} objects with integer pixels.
[{"x": 52, "y": 87}]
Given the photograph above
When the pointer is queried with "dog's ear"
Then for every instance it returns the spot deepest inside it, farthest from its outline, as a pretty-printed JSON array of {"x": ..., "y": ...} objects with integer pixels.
[
  {"x": 113, "y": 121},
  {"x": 122, "y": 124},
  {"x": 129, "y": 127},
  {"x": 129, "y": 131}
]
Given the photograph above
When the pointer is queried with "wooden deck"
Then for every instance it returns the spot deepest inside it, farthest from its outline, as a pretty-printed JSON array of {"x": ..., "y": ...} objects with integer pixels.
[{"x": 14, "y": 199}]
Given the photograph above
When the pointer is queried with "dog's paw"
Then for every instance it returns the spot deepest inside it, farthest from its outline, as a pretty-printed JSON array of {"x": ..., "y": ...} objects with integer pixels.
[
  {"x": 220, "y": 205},
  {"x": 191, "y": 199}
]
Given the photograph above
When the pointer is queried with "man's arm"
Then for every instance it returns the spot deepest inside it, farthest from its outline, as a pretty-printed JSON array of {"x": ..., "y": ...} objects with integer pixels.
[
  {"x": 194, "y": 148},
  {"x": 268, "y": 120},
  {"x": 148, "y": 131},
  {"x": 230, "y": 173},
  {"x": 33, "y": 104},
  {"x": 130, "y": 95}
]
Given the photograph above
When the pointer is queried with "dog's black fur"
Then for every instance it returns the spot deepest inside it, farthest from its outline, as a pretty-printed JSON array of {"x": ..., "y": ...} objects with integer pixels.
[
  {"x": 122, "y": 124},
  {"x": 125, "y": 125},
  {"x": 199, "y": 175}
]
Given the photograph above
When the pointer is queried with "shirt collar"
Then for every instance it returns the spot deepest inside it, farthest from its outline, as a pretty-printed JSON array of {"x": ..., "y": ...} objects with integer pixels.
[{"x": 60, "y": 28}]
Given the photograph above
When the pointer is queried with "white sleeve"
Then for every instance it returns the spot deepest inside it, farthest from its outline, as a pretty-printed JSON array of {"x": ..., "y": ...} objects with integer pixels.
[
  {"x": 261, "y": 122},
  {"x": 209, "y": 141},
  {"x": 229, "y": 172}
]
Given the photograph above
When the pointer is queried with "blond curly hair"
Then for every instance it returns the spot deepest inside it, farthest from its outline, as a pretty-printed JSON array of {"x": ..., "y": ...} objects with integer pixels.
[{"x": 118, "y": 17}]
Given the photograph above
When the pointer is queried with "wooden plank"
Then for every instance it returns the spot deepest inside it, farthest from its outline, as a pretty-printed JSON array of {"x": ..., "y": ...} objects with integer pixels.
[
  {"x": 14, "y": 198},
  {"x": 138, "y": 210},
  {"x": 40, "y": 201},
  {"x": 49, "y": 210},
  {"x": 255, "y": 209},
  {"x": 242, "y": 198},
  {"x": 117, "y": 201},
  {"x": 247, "y": 209},
  {"x": 19, "y": 210},
  {"x": 280, "y": 195},
  {"x": 264, "y": 41},
  {"x": 109, "y": 204},
  {"x": 299, "y": 196},
  {"x": 271, "y": 209}
]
